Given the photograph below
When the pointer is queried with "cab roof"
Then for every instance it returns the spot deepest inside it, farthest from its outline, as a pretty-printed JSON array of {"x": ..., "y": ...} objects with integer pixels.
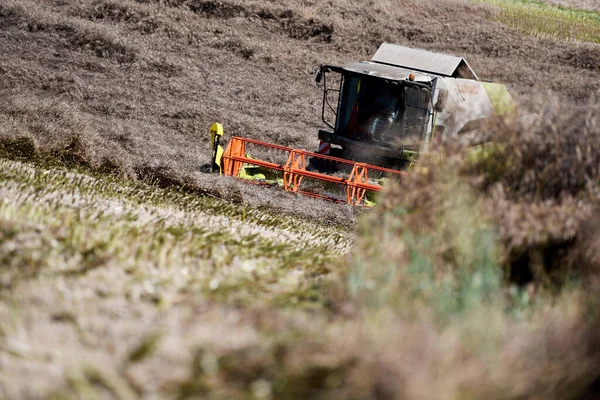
[
  {"x": 425, "y": 61},
  {"x": 396, "y": 63}
]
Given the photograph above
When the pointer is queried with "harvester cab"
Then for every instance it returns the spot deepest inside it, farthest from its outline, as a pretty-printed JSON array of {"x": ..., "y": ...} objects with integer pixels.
[
  {"x": 387, "y": 110},
  {"x": 380, "y": 114}
]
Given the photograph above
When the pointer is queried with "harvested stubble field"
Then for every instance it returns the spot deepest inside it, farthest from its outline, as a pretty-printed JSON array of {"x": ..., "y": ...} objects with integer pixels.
[{"x": 126, "y": 272}]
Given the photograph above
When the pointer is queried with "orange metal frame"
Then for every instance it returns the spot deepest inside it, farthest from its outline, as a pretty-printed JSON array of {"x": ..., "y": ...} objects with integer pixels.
[{"x": 294, "y": 170}]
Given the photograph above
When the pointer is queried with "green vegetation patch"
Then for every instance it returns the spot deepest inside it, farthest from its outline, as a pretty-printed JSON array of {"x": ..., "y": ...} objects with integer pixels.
[{"x": 545, "y": 20}]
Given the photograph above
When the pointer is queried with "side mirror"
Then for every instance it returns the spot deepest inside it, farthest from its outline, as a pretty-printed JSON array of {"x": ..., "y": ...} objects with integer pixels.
[
  {"x": 319, "y": 77},
  {"x": 442, "y": 101}
]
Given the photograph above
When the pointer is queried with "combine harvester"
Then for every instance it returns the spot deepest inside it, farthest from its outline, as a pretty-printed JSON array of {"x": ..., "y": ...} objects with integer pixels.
[{"x": 381, "y": 114}]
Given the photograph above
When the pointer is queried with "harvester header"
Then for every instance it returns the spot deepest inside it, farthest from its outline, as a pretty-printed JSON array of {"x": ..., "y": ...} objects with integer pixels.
[{"x": 354, "y": 181}]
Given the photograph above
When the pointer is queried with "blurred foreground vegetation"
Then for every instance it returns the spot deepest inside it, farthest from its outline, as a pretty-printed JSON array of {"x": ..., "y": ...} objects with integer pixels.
[{"x": 475, "y": 278}]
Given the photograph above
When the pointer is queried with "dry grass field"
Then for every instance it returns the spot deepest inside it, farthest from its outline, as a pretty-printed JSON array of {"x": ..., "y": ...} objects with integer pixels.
[
  {"x": 126, "y": 272},
  {"x": 96, "y": 273}
]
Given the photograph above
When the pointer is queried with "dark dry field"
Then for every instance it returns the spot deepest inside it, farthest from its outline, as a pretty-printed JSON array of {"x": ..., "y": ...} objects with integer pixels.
[
  {"x": 140, "y": 82},
  {"x": 126, "y": 272}
]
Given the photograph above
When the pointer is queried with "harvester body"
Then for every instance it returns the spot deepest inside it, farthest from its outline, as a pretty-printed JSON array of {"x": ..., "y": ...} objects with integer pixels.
[
  {"x": 380, "y": 115},
  {"x": 387, "y": 110}
]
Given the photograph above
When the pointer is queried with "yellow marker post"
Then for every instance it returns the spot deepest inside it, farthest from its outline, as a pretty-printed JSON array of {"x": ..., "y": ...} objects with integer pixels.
[{"x": 216, "y": 132}]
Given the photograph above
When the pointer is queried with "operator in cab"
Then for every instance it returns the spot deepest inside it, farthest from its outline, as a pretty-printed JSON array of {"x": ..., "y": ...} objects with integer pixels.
[{"x": 385, "y": 113}]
